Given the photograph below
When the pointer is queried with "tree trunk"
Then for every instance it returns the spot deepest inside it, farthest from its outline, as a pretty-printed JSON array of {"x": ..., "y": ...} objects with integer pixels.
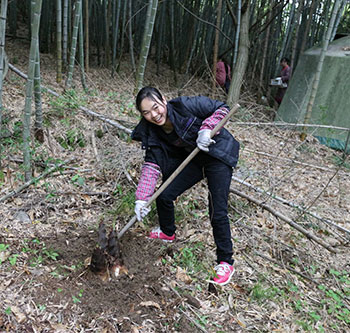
[
  {"x": 74, "y": 44},
  {"x": 316, "y": 80},
  {"x": 3, "y": 12},
  {"x": 65, "y": 33},
  {"x": 59, "y": 40},
  {"x": 87, "y": 35},
  {"x": 295, "y": 42},
  {"x": 146, "y": 42},
  {"x": 242, "y": 60},
  {"x": 34, "y": 50},
  {"x": 115, "y": 35},
  {"x": 172, "y": 39},
  {"x": 81, "y": 50},
  {"x": 131, "y": 41},
  {"x": 216, "y": 42},
  {"x": 237, "y": 32},
  {"x": 308, "y": 24},
  {"x": 266, "y": 43}
]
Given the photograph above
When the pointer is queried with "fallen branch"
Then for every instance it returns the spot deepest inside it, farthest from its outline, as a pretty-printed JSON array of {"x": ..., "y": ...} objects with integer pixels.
[
  {"x": 292, "y": 125},
  {"x": 292, "y": 161},
  {"x": 34, "y": 180},
  {"x": 264, "y": 235},
  {"x": 285, "y": 219},
  {"x": 44, "y": 165},
  {"x": 82, "y": 108},
  {"x": 285, "y": 267},
  {"x": 291, "y": 204}
]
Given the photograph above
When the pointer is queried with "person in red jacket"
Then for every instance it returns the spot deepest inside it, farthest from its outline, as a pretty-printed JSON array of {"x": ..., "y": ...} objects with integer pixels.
[
  {"x": 285, "y": 76},
  {"x": 223, "y": 74}
]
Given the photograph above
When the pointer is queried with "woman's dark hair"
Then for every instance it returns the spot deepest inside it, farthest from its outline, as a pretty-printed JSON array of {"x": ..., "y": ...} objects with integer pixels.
[
  {"x": 286, "y": 60},
  {"x": 148, "y": 92}
]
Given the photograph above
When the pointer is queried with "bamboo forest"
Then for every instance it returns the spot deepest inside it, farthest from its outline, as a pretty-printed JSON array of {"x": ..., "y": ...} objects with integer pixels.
[{"x": 174, "y": 166}]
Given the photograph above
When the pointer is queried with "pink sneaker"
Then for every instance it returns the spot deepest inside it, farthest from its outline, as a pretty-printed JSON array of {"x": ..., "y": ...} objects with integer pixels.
[
  {"x": 224, "y": 273},
  {"x": 156, "y": 233}
]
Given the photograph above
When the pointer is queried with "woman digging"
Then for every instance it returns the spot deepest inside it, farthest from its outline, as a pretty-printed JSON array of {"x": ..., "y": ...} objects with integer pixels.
[{"x": 169, "y": 131}]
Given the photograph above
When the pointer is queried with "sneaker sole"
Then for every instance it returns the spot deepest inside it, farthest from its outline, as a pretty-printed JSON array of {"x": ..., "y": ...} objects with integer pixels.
[{"x": 163, "y": 240}]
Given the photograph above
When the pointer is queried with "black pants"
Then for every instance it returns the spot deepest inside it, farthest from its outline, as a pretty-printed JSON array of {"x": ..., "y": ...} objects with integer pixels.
[{"x": 218, "y": 175}]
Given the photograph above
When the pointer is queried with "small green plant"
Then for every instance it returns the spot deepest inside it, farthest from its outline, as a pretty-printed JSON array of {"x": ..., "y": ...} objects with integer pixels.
[
  {"x": 40, "y": 252},
  {"x": 125, "y": 204},
  {"x": 8, "y": 310},
  {"x": 77, "y": 299},
  {"x": 72, "y": 139},
  {"x": 3, "y": 247},
  {"x": 42, "y": 308},
  {"x": 13, "y": 259},
  {"x": 188, "y": 258},
  {"x": 78, "y": 180},
  {"x": 70, "y": 101},
  {"x": 261, "y": 293}
]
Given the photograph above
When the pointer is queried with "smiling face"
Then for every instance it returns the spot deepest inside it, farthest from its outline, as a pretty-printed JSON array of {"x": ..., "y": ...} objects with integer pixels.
[
  {"x": 154, "y": 110},
  {"x": 284, "y": 63}
]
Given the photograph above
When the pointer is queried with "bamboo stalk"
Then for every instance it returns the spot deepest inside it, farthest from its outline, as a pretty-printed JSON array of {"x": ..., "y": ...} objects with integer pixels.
[
  {"x": 81, "y": 50},
  {"x": 146, "y": 43},
  {"x": 59, "y": 40},
  {"x": 74, "y": 44},
  {"x": 2, "y": 58},
  {"x": 34, "y": 49},
  {"x": 65, "y": 32},
  {"x": 316, "y": 80},
  {"x": 216, "y": 43}
]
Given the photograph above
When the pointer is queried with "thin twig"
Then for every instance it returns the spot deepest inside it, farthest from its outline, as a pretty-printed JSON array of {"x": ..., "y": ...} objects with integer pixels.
[
  {"x": 279, "y": 123},
  {"x": 286, "y": 219},
  {"x": 286, "y": 267},
  {"x": 193, "y": 321},
  {"x": 292, "y": 204},
  {"x": 255, "y": 230},
  {"x": 291, "y": 160},
  {"x": 206, "y": 22},
  {"x": 34, "y": 180},
  {"x": 94, "y": 148}
]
